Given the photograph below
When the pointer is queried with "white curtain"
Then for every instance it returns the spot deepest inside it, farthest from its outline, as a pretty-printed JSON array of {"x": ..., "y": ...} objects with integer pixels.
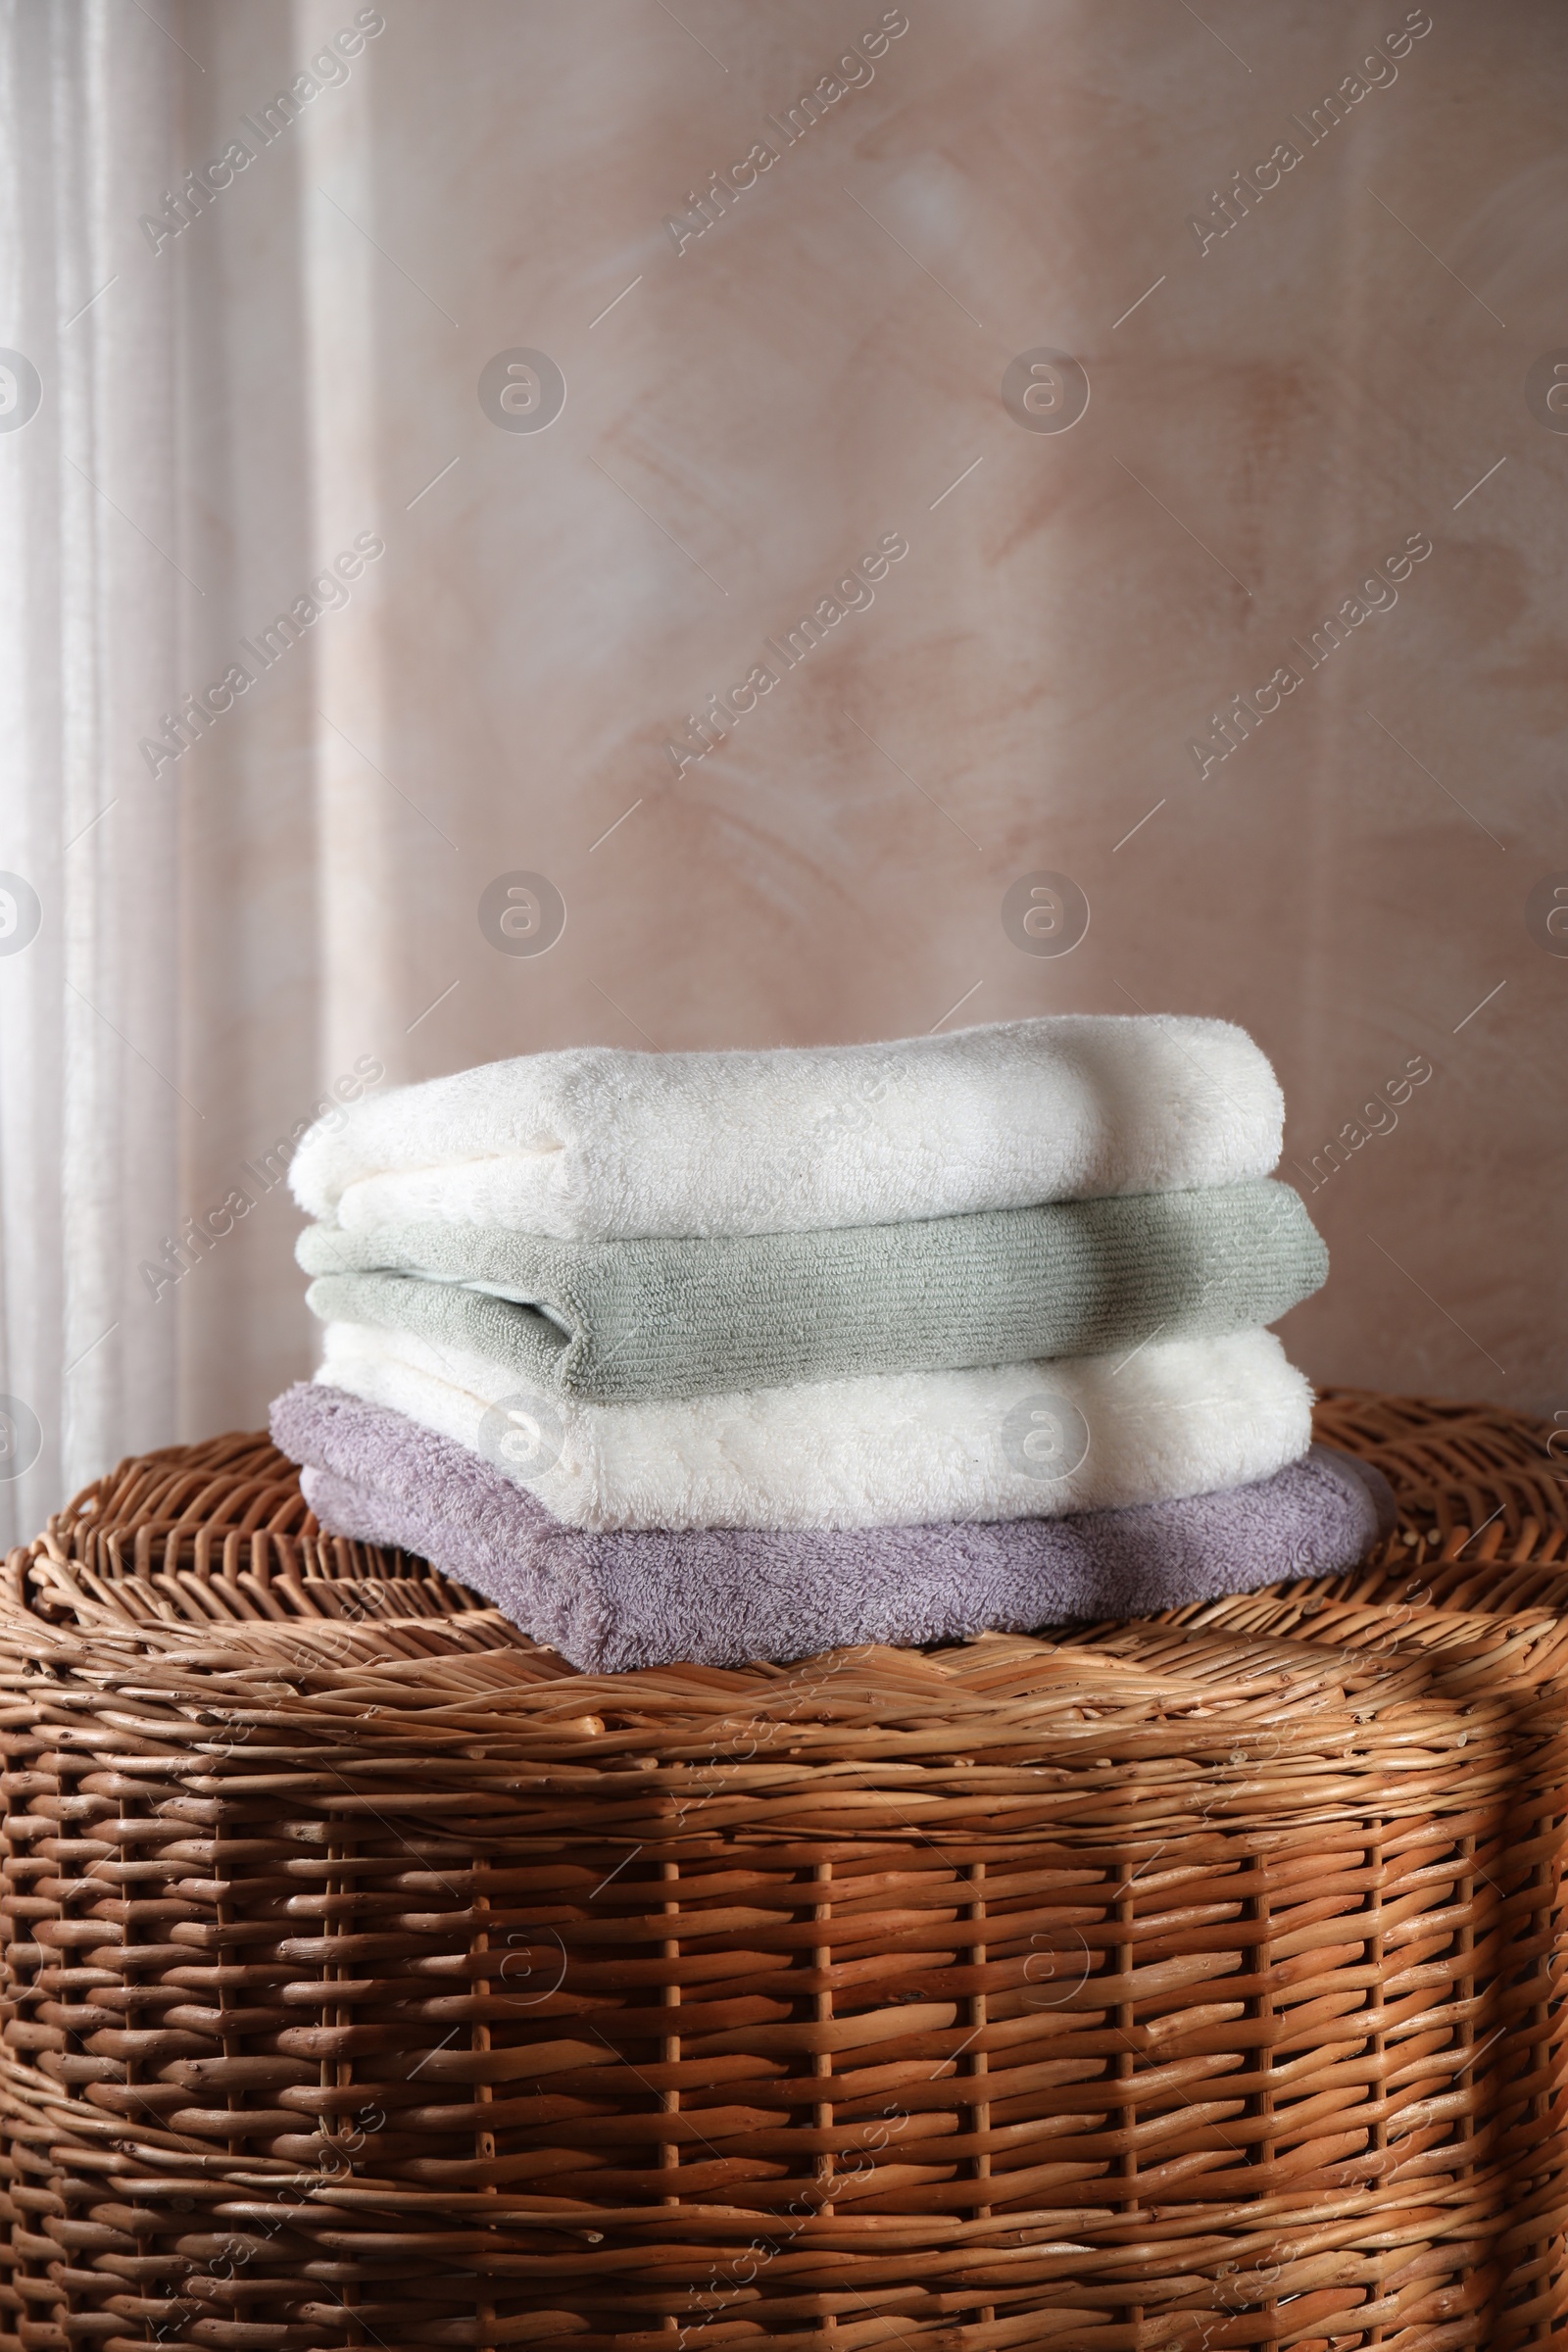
[{"x": 91, "y": 598}]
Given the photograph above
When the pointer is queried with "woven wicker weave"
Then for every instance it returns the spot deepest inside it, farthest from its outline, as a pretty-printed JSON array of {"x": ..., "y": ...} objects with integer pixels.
[{"x": 370, "y": 1977}]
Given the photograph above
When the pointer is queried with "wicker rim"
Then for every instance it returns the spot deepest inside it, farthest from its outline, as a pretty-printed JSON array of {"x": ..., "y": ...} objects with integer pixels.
[{"x": 217, "y": 1539}]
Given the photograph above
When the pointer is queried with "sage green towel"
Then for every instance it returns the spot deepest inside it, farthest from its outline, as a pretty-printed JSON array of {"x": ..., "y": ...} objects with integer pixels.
[{"x": 615, "y": 1321}]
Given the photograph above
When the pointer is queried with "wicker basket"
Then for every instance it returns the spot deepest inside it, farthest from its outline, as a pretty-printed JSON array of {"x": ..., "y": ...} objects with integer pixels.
[{"x": 370, "y": 1977}]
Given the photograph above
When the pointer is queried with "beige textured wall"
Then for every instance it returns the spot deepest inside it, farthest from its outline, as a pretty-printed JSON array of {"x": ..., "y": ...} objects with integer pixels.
[{"x": 821, "y": 367}]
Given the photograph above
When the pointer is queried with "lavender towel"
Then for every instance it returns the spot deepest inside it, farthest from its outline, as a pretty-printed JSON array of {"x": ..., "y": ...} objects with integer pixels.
[{"x": 724, "y": 1597}]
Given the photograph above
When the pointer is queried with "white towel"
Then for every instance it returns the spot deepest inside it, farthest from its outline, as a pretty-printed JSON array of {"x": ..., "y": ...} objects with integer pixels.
[
  {"x": 1028, "y": 1440},
  {"x": 597, "y": 1144}
]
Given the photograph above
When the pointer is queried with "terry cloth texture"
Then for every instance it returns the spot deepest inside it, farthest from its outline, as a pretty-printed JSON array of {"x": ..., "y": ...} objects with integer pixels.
[
  {"x": 622, "y": 1320},
  {"x": 1017, "y": 1442},
  {"x": 595, "y": 1144},
  {"x": 721, "y": 1597}
]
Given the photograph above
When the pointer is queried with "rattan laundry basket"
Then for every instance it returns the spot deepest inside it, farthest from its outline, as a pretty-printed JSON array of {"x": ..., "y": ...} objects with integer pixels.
[{"x": 370, "y": 1977}]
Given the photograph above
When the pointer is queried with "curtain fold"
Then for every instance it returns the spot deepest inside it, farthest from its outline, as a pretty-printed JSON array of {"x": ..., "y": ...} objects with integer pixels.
[{"x": 92, "y": 597}]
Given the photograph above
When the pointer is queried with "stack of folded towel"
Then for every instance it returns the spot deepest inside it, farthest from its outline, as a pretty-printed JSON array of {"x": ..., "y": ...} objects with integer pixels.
[{"x": 723, "y": 1356}]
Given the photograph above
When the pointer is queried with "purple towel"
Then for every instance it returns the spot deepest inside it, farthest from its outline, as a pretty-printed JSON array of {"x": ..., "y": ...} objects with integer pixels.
[{"x": 724, "y": 1597}]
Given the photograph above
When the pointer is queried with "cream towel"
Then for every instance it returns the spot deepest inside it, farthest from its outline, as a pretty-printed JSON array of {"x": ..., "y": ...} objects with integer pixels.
[
  {"x": 1027, "y": 1440},
  {"x": 598, "y": 1144}
]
